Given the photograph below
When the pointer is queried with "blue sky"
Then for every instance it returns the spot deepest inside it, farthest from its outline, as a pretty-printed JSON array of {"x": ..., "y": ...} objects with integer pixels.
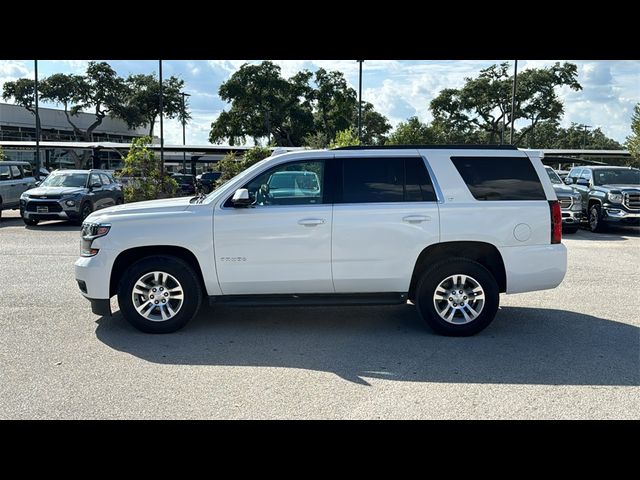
[{"x": 398, "y": 89}]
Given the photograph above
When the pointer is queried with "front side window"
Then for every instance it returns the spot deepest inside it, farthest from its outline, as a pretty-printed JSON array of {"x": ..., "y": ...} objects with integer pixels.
[
  {"x": 65, "y": 180},
  {"x": 295, "y": 183},
  {"x": 95, "y": 179},
  {"x": 500, "y": 178},
  {"x": 586, "y": 174},
  {"x": 105, "y": 179},
  {"x": 16, "y": 172}
]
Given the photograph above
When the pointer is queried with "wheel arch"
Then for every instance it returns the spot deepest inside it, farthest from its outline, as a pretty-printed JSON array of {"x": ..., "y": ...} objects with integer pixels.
[
  {"x": 484, "y": 253},
  {"x": 132, "y": 255}
]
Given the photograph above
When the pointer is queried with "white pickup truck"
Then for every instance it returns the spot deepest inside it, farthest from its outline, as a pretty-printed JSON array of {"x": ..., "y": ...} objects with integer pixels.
[{"x": 447, "y": 228}]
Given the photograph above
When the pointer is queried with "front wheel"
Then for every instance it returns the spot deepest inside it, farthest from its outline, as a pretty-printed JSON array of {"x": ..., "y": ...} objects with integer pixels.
[
  {"x": 457, "y": 297},
  {"x": 595, "y": 218},
  {"x": 159, "y": 294}
]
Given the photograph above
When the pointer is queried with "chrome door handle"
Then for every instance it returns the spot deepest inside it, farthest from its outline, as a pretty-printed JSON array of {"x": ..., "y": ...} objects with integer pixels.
[
  {"x": 311, "y": 222},
  {"x": 416, "y": 218}
]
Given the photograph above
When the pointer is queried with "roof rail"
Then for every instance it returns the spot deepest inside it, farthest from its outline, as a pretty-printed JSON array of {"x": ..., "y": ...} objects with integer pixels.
[{"x": 428, "y": 147}]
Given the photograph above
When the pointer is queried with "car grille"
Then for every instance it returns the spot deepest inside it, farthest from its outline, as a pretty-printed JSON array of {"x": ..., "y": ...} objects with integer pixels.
[
  {"x": 631, "y": 200},
  {"x": 47, "y": 197},
  {"x": 53, "y": 206},
  {"x": 565, "y": 202}
]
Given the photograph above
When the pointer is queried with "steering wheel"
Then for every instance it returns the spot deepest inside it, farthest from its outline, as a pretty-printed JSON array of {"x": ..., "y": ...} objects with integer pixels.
[{"x": 262, "y": 195}]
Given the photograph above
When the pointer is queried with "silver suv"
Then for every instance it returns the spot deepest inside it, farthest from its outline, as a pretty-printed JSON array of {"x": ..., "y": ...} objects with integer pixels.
[{"x": 15, "y": 179}]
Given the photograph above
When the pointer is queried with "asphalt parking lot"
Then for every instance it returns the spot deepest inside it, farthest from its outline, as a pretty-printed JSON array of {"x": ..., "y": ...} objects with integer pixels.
[{"x": 572, "y": 352}]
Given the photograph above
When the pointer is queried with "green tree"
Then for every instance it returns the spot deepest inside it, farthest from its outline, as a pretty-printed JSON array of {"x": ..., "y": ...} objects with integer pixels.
[
  {"x": 345, "y": 138},
  {"x": 633, "y": 140},
  {"x": 412, "y": 132},
  {"x": 142, "y": 104},
  {"x": 143, "y": 169},
  {"x": 307, "y": 108},
  {"x": 484, "y": 103},
  {"x": 232, "y": 164},
  {"x": 2, "y": 155},
  {"x": 375, "y": 126},
  {"x": 263, "y": 104},
  {"x": 22, "y": 93}
]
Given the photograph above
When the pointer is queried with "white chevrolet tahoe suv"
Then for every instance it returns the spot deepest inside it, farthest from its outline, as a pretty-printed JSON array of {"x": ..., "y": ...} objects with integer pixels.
[{"x": 447, "y": 228}]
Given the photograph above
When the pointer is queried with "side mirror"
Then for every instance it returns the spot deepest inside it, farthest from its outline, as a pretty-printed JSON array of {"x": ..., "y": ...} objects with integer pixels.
[
  {"x": 241, "y": 198},
  {"x": 38, "y": 183},
  {"x": 583, "y": 181},
  {"x": 568, "y": 180}
]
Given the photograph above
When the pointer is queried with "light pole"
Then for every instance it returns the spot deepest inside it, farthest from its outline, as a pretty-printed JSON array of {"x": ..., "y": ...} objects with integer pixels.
[
  {"x": 184, "y": 141},
  {"x": 35, "y": 92},
  {"x": 513, "y": 99},
  {"x": 161, "y": 126},
  {"x": 584, "y": 136},
  {"x": 360, "y": 103}
]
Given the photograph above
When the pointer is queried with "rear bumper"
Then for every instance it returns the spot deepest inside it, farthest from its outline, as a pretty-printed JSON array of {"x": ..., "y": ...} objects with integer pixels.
[{"x": 534, "y": 267}]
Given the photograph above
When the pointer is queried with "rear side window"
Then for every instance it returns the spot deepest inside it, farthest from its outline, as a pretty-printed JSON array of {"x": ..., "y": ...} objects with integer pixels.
[
  {"x": 373, "y": 180},
  {"x": 500, "y": 178},
  {"x": 4, "y": 172},
  {"x": 383, "y": 180}
]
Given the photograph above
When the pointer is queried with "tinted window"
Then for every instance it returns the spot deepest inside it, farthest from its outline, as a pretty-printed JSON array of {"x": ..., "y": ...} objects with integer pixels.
[
  {"x": 16, "y": 172},
  {"x": 27, "y": 170},
  {"x": 295, "y": 183},
  {"x": 500, "y": 178},
  {"x": 373, "y": 180},
  {"x": 553, "y": 176},
  {"x": 105, "y": 179},
  {"x": 4, "y": 172},
  {"x": 586, "y": 174},
  {"x": 418, "y": 186}
]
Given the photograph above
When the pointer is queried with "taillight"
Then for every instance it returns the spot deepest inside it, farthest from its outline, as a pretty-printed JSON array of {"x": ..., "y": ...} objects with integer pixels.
[{"x": 556, "y": 221}]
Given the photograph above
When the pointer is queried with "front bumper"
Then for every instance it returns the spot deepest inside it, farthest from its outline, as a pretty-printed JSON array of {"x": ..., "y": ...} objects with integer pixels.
[
  {"x": 93, "y": 275},
  {"x": 620, "y": 215},
  {"x": 571, "y": 217},
  {"x": 33, "y": 209}
]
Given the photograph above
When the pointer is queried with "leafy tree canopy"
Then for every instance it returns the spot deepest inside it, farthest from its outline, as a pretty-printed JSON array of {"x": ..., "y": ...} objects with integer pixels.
[
  {"x": 483, "y": 104},
  {"x": 633, "y": 140}
]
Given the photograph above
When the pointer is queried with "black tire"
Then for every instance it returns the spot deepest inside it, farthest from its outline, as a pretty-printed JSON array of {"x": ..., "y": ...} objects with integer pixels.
[
  {"x": 85, "y": 210},
  {"x": 432, "y": 278},
  {"x": 595, "y": 218},
  {"x": 570, "y": 229},
  {"x": 176, "y": 267},
  {"x": 120, "y": 201},
  {"x": 32, "y": 222}
]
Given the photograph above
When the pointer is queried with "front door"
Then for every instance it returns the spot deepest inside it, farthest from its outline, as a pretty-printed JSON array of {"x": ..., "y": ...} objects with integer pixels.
[{"x": 282, "y": 243}]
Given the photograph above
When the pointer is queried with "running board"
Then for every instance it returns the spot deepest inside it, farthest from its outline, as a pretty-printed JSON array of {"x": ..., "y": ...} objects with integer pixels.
[{"x": 310, "y": 300}]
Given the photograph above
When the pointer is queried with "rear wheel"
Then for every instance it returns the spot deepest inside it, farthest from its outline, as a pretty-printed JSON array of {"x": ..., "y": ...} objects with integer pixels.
[
  {"x": 159, "y": 294},
  {"x": 595, "y": 218},
  {"x": 457, "y": 297}
]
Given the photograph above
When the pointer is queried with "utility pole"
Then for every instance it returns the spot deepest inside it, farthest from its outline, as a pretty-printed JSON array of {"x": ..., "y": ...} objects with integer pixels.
[
  {"x": 584, "y": 136},
  {"x": 360, "y": 103},
  {"x": 161, "y": 127},
  {"x": 513, "y": 99},
  {"x": 184, "y": 138},
  {"x": 35, "y": 92}
]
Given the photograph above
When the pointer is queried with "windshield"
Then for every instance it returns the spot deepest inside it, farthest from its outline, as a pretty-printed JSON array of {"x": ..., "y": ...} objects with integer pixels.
[
  {"x": 616, "y": 177},
  {"x": 65, "y": 180},
  {"x": 553, "y": 176},
  {"x": 216, "y": 192}
]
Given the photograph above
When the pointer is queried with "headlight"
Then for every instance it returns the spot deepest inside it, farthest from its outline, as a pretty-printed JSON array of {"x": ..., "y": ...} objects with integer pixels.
[
  {"x": 89, "y": 232},
  {"x": 70, "y": 203},
  {"x": 615, "y": 197},
  {"x": 577, "y": 198},
  {"x": 24, "y": 196}
]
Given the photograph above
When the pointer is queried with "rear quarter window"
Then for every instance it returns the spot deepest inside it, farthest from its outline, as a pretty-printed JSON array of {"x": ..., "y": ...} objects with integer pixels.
[{"x": 500, "y": 178}]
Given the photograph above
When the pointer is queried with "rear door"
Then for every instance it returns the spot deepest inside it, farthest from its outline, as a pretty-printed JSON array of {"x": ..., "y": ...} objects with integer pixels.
[
  {"x": 109, "y": 190},
  {"x": 7, "y": 188},
  {"x": 385, "y": 214}
]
